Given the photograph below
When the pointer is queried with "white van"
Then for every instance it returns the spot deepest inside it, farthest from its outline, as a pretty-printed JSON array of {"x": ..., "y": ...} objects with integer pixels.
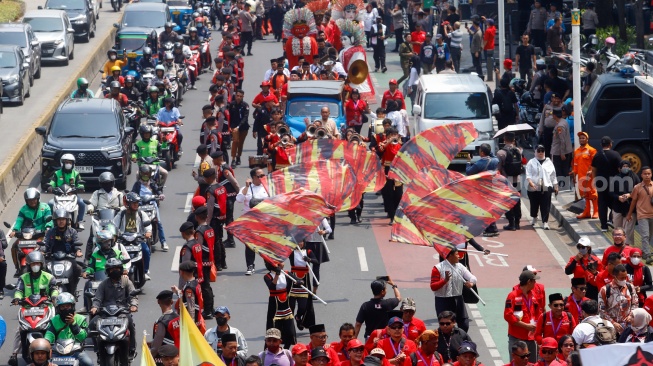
[{"x": 443, "y": 99}]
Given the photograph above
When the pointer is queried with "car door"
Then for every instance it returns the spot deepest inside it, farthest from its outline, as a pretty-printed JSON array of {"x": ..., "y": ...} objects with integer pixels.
[
  {"x": 90, "y": 13},
  {"x": 70, "y": 36},
  {"x": 24, "y": 71},
  {"x": 35, "y": 46}
]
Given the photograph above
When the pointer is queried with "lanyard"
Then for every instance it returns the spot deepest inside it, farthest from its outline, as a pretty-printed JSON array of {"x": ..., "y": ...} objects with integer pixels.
[
  {"x": 555, "y": 329},
  {"x": 396, "y": 349},
  {"x": 345, "y": 352},
  {"x": 577, "y": 303},
  {"x": 406, "y": 326},
  {"x": 419, "y": 353},
  {"x": 529, "y": 304}
]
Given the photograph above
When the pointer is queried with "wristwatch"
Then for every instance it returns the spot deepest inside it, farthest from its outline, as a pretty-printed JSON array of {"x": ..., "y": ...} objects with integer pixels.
[{"x": 395, "y": 286}]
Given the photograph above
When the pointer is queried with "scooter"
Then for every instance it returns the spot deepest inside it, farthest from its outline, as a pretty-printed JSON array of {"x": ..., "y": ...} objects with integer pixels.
[
  {"x": 133, "y": 114},
  {"x": 60, "y": 266},
  {"x": 64, "y": 350},
  {"x": 153, "y": 162},
  {"x": 169, "y": 143},
  {"x": 132, "y": 243},
  {"x": 147, "y": 75},
  {"x": 175, "y": 89},
  {"x": 29, "y": 240},
  {"x": 112, "y": 334},
  {"x": 34, "y": 317},
  {"x": 65, "y": 197},
  {"x": 149, "y": 206}
]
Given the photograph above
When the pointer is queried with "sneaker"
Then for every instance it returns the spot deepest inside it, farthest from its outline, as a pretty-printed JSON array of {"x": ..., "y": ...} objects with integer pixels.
[
  {"x": 13, "y": 360},
  {"x": 331, "y": 236},
  {"x": 17, "y": 273},
  {"x": 2, "y": 295},
  {"x": 250, "y": 271},
  {"x": 384, "y": 69},
  {"x": 545, "y": 226},
  {"x": 193, "y": 87},
  {"x": 80, "y": 226},
  {"x": 208, "y": 316},
  {"x": 604, "y": 229},
  {"x": 164, "y": 246},
  {"x": 147, "y": 276},
  {"x": 534, "y": 221}
]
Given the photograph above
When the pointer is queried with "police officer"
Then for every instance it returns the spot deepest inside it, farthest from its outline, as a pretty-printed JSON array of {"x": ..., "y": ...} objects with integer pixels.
[
  {"x": 191, "y": 251},
  {"x": 205, "y": 236},
  {"x": 166, "y": 328}
]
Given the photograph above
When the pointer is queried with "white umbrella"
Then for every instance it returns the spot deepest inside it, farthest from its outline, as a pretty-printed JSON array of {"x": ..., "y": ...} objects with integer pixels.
[{"x": 519, "y": 128}]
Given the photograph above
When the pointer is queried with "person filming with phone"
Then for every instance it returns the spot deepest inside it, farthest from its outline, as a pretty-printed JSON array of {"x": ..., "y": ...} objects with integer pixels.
[
  {"x": 447, "y": 280},
  {"x": 374, "y": 313}
]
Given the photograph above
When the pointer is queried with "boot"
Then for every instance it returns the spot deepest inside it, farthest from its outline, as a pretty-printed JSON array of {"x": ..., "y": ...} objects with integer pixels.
[
  {"x": 586, "y": 213},
  {"x": 510, "y": 226},
  {"x": 595, "y": 205}
]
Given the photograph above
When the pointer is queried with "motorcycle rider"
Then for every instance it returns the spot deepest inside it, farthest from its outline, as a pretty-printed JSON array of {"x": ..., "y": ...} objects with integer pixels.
[
  {"x": 144, "y": 186},
  {"x": 130, "y": 89},
  {"x": 160, "y": 76},
  {"x": 146, "y": 61},
  {"x": 82, "y": 90},
  {"x": 114, "y": 93},
  {"x": 184, "y": 47},
  {"x": 180, "y": 62},
  {"x": 63, "y": 238},
  {"x": 154, "y": 102},
  {"x": 148, "y": 147},
  {"x": 36, "y": 279},
  {"x": 166, "y": 328},
  {"x": 40, "y": 351},
  {"x": 112, "y": 54},
  {"x": 163, "y": 91},
  {"x": 33, "y": 213},
  {"x": 168, "y": 35},
  {"x": 68, "y": 325},
  {"x": 131, "y": 220},
  {"x": 117, "y": 290},
  {"x": 196, "y": 39},
  {"x": 105, "y": 197},
  {"x": 115, "y": 76},
  {"x": 68, "y": 175},
  {"x": 170, "y": 113}
]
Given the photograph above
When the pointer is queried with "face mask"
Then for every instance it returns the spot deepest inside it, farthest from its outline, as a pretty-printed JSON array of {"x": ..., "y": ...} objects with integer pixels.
[
  {"x": 582, "y": 251},
  {"x": 145, "y": 178},
  {"x": 112, "y": 57},
  {"x": 36, "y": 268},
  {"x": 68, "y": 166},
  {"x": 115, "y": 275},
  {"x": 625, "y": 170},
  {"x": 636, "y": 261},
  {"x": 621, "y": 283},
  {"x": 221, "y": 321}
]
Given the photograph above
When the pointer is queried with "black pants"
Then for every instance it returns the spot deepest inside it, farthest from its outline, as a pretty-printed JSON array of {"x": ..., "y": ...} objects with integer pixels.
[
  {"x": 219, "y": 253},
  {"x": 3, "y": 274},
  {"x": 399, "y": 37},
  {"x": 538, "y": 36},
  {"x": 456, "y": 53},
  {"x": 332, "y": 223},
  {"x": 355, "y": 213},
  {"x": 304, "y": 313},
  {"x": 476, "y": 60},
  {"x": 540, "y": 201},
  {"x": 230, "y": 216},
  {"x": 514, "y": 214},
  {"x": 605, "y": 202},
  {"x": 391, "y": 196},
  {"x": 368, "y": 36},
  {"x": 207, "y": 291},
  {"x": 250, "y": 257},
  {"x": 456, "y": 305},
  {"x": 562, "y": 170},
  {"x": 257, "y": 31},
  {"x": 246, "y": 39},
  {"x": 587, "y": 33},
  {"x": 379, "y": 55},
  {"x": 259, "y": 144},
  {"x": 527, "y": 74}
]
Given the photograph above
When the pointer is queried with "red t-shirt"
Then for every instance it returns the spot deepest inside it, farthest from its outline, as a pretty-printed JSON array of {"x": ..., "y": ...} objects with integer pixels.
[
  {"x": 574, "y": 307},
  {"x": 531, "y": 311},
  {"x": 548, "y": 326},
  {"x": 397, "y": 96},
  {"x": 354, "y": 111},
  {"x": 391, "y": 349},
  {"x": 418, "y": 37},
  {"x": 413, "y": 329},
  {"x": 488, "y": 37},
  {"x": 625, "y": 252}
]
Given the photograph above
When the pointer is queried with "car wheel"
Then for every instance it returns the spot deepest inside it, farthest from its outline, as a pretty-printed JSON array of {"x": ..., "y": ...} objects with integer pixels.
[
  {"x": 100, "y": 3},
  {"x": 92, "y": 34},
  {"x": 67, "y": 60},
  {"x": 22, "y": 97},
  {"x": 29, "y": 92},
  {"x": 38, "y": 72},
  {"x": 31, "y": 80},
  {"x": 71, "y": 56},
  {"x": 97, "y": 15}
]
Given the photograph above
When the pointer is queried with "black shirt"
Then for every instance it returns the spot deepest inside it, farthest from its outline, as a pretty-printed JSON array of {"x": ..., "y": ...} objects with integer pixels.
[
  {"x": 525, "y": 56},
  {"x": 374, "y": 313},
  {"x": 448, "y": 344},
  {"x": 559, "y": 86},
  {"x": 606, "y": 163}
]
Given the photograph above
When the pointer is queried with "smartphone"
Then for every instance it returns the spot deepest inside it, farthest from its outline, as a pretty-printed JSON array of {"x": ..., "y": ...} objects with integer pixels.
[{"x": 384, "y": 278}]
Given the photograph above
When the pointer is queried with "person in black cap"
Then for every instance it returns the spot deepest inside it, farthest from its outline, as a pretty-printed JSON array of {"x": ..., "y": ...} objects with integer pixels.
[
  {"x": 190, "y": 293},
  {"x": 318, "y": 345},
  {"x": 205, "y": 236},
  {"x": 561, "y": 149},
  {"x": 238, "y": 125},
  {"x": 577, "y": 296},
  {"x": 319, "y": 357},
  {"x": 166, "y": 328},
  {"x": 467, "y": 354},
  {"x": 605, "y": 166},
  {"x": 507, "y": 102},
  {"x": 279, "y": 315},
  {"x": 230, "y": 354},
  {"x": 556, "y": 322},
  {"x": 191, "y": 251},
  {"x": 169, "y": 355},
  {"x": 374, "y": 312}
]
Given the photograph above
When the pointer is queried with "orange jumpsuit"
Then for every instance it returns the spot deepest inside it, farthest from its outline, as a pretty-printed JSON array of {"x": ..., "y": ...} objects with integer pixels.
[{"x": 582, "y": 166}]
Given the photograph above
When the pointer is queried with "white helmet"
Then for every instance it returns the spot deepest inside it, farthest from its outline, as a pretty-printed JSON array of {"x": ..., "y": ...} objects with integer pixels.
[{"x": 67, "y": 157}]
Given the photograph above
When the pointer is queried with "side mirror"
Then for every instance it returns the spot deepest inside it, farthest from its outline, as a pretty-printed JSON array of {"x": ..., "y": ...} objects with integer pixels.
[
  {"x": 7, "y": 225},
  {"x": 495, "y": 109},
  {"x": 417, "y": 110},
  {"x": 129, "y": 130},
  {"x": 35, "y": 43},
  {"x": 182, "y": 117},
  {"x": 116, "y": 25},
  {"x": 25, "y": 65},
  {"x": 39, "y": 7},
  {"x": 70, "y": 30},
  {"x": 40, "y": 130}
]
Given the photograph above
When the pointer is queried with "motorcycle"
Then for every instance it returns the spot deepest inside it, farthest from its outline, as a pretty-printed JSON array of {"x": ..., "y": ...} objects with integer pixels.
[
  {"x": 64, "y": 350},
  {"x": 116, "y": 5},
  {"x": 34, "y": 317},
  {"x": 60, "y": 266},
  {"x": 149, "y": 205},
  {"x": 169, "y": 144},
  {"x": 132, "y": 243},
  {"x": 29, "y": 240},
  {"x": 147, "y": 75},
  {"x": 65, "y": 197},
  {"x": 112, "y": 334},
  {"x": 133, "y": 114},
  {"x": 153, "y": 162},
  {"x": 175, "y": 89}
]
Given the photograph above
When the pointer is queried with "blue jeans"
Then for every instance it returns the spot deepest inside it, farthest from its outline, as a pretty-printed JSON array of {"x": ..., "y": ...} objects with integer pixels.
[
  {"x": 162, "y": 235},
  {"x": 81, "y": 208},
  {"x": 146, "y": 256}
]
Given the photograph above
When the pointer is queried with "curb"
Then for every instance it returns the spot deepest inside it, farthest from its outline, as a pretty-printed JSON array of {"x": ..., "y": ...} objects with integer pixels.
[
  {"x": 15, "y": 167},
  {"x": 575, "y": 228}
]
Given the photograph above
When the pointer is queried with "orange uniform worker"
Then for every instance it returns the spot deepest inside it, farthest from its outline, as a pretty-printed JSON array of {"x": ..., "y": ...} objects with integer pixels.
[{"x": 582, "y": 169}]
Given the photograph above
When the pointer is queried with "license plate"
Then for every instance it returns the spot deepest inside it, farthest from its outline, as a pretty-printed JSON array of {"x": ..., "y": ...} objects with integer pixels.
[
  {"x": 133, "y": 248},
  {"x": 34, "y": 312},
  {"x": 114, "y": 321},
  {"x": 64, "y": 361},
  {"x": 176, "y": 12},
  {"x": 167, "y": 129},
  {"x": 84, "y": 169},
  {"x": 32, "y": 242},
  {"x": 132, "y": 54},
  {"x": 147, "y": 208},
  {"x": 95, "y": 285},
  {"x": 462, "y": 155}
]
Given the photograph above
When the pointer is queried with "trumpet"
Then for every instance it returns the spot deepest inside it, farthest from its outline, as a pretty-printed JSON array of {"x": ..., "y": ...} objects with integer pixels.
[
  {"x": 355, "y": 138},
  {"x": 285, "y": 140},
  {"x": 283, "y": 130},
  {"x": 310, "y": 132},
  {"x": 394, "y": 140},
  {"x": 322, "y": 133}
]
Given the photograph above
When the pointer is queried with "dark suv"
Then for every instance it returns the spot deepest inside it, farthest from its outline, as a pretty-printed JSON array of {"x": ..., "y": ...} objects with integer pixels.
[
  {"x": 95, "y": 132},
  {"x": 81, "y": 15}
]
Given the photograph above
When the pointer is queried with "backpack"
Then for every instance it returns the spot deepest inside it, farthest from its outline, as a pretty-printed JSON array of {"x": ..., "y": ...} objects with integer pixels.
[
  {"x": 506, "y": 107},
  {"x": 603, "y": 334},
  {"x": 512, "y": 163}
]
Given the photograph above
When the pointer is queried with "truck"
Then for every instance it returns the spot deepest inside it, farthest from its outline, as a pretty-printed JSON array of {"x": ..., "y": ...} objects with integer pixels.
[{"x": 306, "y": 98}]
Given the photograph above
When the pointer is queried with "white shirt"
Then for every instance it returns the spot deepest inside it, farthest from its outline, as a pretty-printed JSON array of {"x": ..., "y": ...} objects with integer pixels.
[
  {"x": 545, "y": 173},
  {"x": 397, "y": 122},
  {"x": 315, "y": 237},
  {"x": 254, "y": 191},
  {"x": 270, "y": 73},
  {"x": 370, "y": 18},
  {"x": 374, "y": 39},
  {"x": 584, "y": 332},
  {"x": 338, "y": 68}
]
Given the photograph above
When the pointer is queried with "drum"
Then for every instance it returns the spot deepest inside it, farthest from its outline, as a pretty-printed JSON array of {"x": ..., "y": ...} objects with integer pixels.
[
  {"x": 378, "y": 126},
  {"x": 258, "y": 161}
]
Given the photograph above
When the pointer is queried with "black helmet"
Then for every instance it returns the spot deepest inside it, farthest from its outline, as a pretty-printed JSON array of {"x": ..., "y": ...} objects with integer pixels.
[
  {"x": 147, "y": 51},
  {"x": 60, "y": 213},
  {"x": 107, "y": 181},
  {"x": 168, "y": 56},
  {"x": 180, "y": 38},
  {"x": 115, "y": 84},
  {"x": 132, "y": 197},
  {"x": 32, "y": 193},
  {"x": 144, "y": 170},
  {"x": 111, "y": 264},
  {"x": 168, "y": 100},
  {"x": 145, "y": 128},
  {"x": 109, "y": 52},
  {"x": 159, "y": 84},
  {"x": 178, "y": 46},
  {"x": 526, "y": 99},
  {"x": 168, "y": 25},
  {"x": 129, "y": 79}
]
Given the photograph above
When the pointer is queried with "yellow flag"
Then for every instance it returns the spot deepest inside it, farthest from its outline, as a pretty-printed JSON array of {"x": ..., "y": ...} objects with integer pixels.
[
  {"x": 193, "y": 348},
  {"x": 146, "y": 355}
]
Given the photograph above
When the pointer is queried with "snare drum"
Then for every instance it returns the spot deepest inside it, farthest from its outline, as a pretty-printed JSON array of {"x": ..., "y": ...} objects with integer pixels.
[
  {"x": 378, "y": 126},
  {"x": 258, "y": 161}
]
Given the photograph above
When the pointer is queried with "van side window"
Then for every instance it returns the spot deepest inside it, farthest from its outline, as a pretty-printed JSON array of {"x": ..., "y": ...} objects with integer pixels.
[{"x": 617, "y": 99}]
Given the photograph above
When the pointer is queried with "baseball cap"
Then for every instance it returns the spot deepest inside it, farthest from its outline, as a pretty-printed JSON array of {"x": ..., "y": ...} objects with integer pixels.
[
  {"x": 198, "y": 201},
  {"x": 439, "y": 36},
  {"x": 549, "y": 342},
  {"x": 584, "y": 241},
  {"x": 393, "y": 81},
  {"x": 581, "y": 133},
  {"x": 319, "y": 352},
  {"x": 216, "y": 154},
  {"x": 528, "y": 275},
  {"x": 273, "y": 333},
  {"x": 168, "y": 350},
  {"x": 265, "y": 83},
  {"x": 298, "y": 348},
  {"x": 222, "y": 310},
  {"x": 606, "y": 140},
  {"x": 395, "y": 319},
  {"x": 377, "y": 351},
  {"x": 467, "y": 347},
  {"x": 408, "y": 304},
  {"x": 529, "y": 267},
  {"x": 355, "y": 343}
]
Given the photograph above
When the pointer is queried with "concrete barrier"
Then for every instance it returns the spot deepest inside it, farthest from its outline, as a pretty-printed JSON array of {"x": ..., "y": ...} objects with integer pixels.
[{"x": 14, "y": 168}]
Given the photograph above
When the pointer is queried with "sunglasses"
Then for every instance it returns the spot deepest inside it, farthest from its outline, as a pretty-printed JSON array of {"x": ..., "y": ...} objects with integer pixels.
[
  {"x": 357, "y": 350},
  {"x": 582, "y": 288},
  {"x": 540, "y": 151},
  {"x": 568, "y": 345},
  {"x": 445, "y": 324},
  {"x": 260, "y": 176},
  {"x": 396, "y": 327},
  {"x": 523, "y": 357},
  {"x": 548, "y": 351}
]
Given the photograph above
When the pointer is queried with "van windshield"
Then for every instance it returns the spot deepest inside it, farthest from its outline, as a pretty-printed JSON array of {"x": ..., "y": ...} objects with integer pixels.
[
  {"x": 456, "y": 106},
  {"x": 589, "y": 98}
]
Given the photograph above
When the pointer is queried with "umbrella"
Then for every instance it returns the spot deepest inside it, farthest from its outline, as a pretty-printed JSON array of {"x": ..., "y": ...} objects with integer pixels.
[{"x": 520, "y": 128}]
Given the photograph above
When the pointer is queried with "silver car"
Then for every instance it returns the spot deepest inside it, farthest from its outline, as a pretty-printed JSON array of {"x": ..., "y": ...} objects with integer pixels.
[{"x": 55, "y": 32}]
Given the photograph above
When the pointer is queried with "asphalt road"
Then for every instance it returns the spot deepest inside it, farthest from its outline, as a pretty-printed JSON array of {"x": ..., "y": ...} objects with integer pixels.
[
  {"x": 359, "y": 253},
  {"x": 53, "y": 78}
]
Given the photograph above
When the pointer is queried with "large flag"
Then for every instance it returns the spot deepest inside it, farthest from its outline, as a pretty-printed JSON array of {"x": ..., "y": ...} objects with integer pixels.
[
  {"x": 275, "y": 226},
  {"x": 331, "y": 179},
  {"x": 146, "y": 355},
  {"x": 193, "y": 348},
  {"x": 461, "y": 210},
  {"x": 436, "y": 146},
  {"x": 619, "y": 354}
]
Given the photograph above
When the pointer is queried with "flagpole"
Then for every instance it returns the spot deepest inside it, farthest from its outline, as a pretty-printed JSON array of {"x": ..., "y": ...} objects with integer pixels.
[
  {"x": 477, "y": 296},
  {"x": 302, "y": 286},
  {"x": 325, "y": 244},
  {"x": 478, "y": 251},
  {"x": 310, "y": 269}
]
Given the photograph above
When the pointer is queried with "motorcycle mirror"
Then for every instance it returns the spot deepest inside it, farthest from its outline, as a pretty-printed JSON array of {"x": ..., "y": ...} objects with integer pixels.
[
  {"x": 147, "y": 222},
  {"x": 48, "y": 218},
  {"x": 182, "y": 117},
  {"x": 126, "y": 260},
  {"x": 10, "y": 286},
  {"x": 7, "y": 225},
  {"x": 86, "y": 202},
  {"x": 129, "y": 130}
]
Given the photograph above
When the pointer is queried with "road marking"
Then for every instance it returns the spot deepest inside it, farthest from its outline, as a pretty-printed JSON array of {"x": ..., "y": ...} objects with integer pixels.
[
  {"x": 498, "y": 363},
  {"x": 362, "y": 259},
  {"x": 547, "y": 242},
  {"x": 189, "y": 202},
  {"x": 175, "y": 259},
  {"x": 487, "y": 338},
  {"x": 485, "y": 333}
]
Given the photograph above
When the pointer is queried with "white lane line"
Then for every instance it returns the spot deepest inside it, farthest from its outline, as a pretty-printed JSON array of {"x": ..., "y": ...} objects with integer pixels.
[
  {"x": 175, "y": 259},
  {"x": 476, "y": 314},
  {"x": 196, "y": 164},
  {"x": 494, "y": 353},
  {"x": 487, "y": 338},
  {"x": 498, "y": 363},
  {"x": 480, "y": 322},
  {"x": 362, "y": 259},
  {"x": 189, "y": 202},
  {"x": 472, "y": 306},
  {"x": 546, "y": 241}
]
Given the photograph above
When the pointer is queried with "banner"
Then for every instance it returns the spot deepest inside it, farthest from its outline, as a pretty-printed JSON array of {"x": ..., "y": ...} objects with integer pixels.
[
  {"x": 146, "y": 355},
  {"x": 621, "y": 354},
  {"x": 193, "y": 348}
]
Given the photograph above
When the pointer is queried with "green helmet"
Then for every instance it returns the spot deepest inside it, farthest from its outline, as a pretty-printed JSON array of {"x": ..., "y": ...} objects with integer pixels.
[
  {"x": 153, "y": 89},
  {"x": 65, "y": 298},
  {"x": 82, "y": 82}
]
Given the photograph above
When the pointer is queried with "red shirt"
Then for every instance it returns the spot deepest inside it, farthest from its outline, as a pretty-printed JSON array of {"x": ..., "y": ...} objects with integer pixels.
[
  {"x": 539, "y": 293},
  {"x": 354, "y": 111},
  {"x": 418, "y": 37},
  {"x": 422, "y": 360},
  {"x": 580, "y": 269},
  {"x": 121, "y": 98},
  {"x": 530, "y": 309},
  {"x": 391, "y": 349},
  {"x": 574, "y": 308},
  {"x": 258, "y": 99},
  {"x": 413, "y": 329},
  {"x": 389, "y": 153},
  {"x": 341, "y": 350},
  {"x": 602, "y": 279},
  {"x": 478, "y": 363},
  {"x": 381, "y": 334},
  {"x": 488, "y": 37},
  {"x": 397, "y": 96},
  {"x": 625, "y": 252},
  {"x": 333, "y": 356},
  {"x": 549, "y": 326}
]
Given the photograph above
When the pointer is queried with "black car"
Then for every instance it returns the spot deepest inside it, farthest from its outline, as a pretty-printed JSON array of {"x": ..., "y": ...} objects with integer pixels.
[
  {"x": 15, "y": 75},
  {"x": 95, "y": 132},
  {"x": 81, "y": 15}
]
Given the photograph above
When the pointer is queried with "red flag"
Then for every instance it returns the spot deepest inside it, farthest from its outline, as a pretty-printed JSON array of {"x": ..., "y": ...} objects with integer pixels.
[{"x": 275, "y": 226}]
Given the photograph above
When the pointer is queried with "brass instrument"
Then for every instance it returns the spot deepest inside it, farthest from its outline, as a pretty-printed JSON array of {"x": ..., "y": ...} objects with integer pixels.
[
  {"x": 357, "y": 69},
  {"x": 283, "y": 130},
  {"x": 285, "y": 140},
  {"x": 310, "y": 132},
  {"x": 394, "y": 140},
  {"x": 322, "y": 133},
  {"x": 356, "y": 138}
]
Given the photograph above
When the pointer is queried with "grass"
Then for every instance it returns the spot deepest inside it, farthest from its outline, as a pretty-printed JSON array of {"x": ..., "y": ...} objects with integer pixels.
[{"x": 11, "y": 10}]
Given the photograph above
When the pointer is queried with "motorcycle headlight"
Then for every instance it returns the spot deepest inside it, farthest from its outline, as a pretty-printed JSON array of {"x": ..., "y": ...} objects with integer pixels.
[{"x": 27, "y": 236}]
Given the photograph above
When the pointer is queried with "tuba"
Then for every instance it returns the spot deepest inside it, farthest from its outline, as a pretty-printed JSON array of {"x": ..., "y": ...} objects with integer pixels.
[
  {"x": 283, "y": 130},
  {"x": 357, "y": 69},
  {"x": 322, "y": 133},
  {"x": 310, "y": 132},
  {"x": 356, "y": 138}
]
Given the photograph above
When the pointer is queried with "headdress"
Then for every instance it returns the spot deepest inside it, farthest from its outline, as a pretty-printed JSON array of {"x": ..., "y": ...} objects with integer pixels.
[
  {"x": 299, "y": 23},
  {"x": 352, "y": 30},
  {"x": 318, "y": 7},
  {"x": 342, "y": 6}
]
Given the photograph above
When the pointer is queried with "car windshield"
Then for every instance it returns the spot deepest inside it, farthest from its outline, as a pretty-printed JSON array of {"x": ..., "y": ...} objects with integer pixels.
[
  {"x": 147, "y": 19},
  {"x": 14, "y": 38},
  {"x": 132, "y": 43},
  {"x": 303, "y": 108},
  {"x": 45, "y": 24},
  {"x": 66, "y": 4},
  {"x": 84, "y": 125},
  {"x": 8, "y": 60},
  {"x": 456, "y": 106},
  {"x": 177, "y": 3},
  {"x": 589, "y": 98}
]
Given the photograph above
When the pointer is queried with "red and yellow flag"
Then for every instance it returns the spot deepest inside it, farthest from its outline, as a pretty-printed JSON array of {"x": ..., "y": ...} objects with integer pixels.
[
  {"x": 436, "y": 146},
  {"x": 193, "y": 348},
  {"x": 275, "y": 226},
  {"x": 146, "y": 355}
]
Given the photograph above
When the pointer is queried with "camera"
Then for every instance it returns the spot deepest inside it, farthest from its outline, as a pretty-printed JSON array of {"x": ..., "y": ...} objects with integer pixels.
[{"x": 383, "y": 278}]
